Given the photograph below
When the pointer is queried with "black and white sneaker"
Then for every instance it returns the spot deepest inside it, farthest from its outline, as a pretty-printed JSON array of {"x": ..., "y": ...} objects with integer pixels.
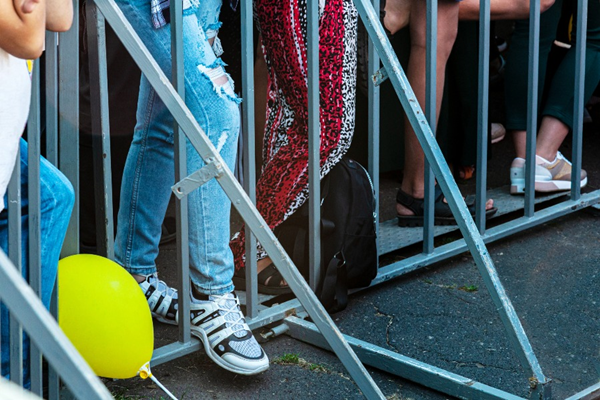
[
  {"x": 161, "y": 298},
  {"x": 219, "y": 323}
]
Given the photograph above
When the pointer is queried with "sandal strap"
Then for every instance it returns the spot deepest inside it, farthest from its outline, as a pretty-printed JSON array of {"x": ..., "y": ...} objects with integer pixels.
[
  {"x": 441, "y": 207},
  {"x": 271, "y": 272},
  {"x": 414, "y": 205}
]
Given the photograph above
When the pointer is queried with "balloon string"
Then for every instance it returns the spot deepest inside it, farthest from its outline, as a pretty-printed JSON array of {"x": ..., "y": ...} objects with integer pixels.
[{"x": 160, "y": 385}]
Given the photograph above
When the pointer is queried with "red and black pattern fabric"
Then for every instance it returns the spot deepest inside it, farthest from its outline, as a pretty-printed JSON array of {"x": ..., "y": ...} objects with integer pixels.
[{"x": 283, "y": 184}]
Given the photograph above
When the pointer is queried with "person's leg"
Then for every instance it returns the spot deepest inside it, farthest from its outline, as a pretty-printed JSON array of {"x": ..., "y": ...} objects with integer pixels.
[
  {"x": 215, "y": 313},
  {"x": 286, "y": 140},
  {"x": 516, "y": 76},
  {"x": 561, "y": 97},
  {"x": 397, "y": 14},
  {"x": 558, "y": 113},
  {"x": 149, "y": 169},
  {"x": 56, "y": 203},
  {"x": 414, "y": 164}
]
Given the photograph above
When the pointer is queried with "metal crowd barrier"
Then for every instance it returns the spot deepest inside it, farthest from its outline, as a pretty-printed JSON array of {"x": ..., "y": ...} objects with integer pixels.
[{"x": 321, "y": 331}]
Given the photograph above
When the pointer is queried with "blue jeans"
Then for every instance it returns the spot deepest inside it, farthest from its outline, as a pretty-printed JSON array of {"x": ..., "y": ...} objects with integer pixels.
[
  {"x": 149, "y": 170},
  {"x": 57, "y": 198}
]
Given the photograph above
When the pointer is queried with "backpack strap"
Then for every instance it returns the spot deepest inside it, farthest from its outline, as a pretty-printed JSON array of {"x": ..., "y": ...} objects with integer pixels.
[{"x": 334, "y": 287}]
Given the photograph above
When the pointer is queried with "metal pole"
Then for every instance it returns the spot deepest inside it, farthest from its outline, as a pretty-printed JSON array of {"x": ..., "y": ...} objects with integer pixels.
[
  {"x": 579, "y": 103},
  {"x": 96, "y": 39},
  {"x": 483, "y": 112},
  {"x": 249, "y": 156},
  {"x": 431, "y": 115},
  {"x": 532, "y": 105},
  {"x": 314, "y": 143},
  {"x": 180, "y": 154}
]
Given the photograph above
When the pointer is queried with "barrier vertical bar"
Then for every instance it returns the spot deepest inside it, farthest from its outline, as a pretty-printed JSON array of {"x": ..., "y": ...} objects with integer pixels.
[
  {"x": 51, "y": 75},
  {"x": 180, "y": 154},
  {"x": 68, "y": 140},
  {"x": 34, "y": 204},
  {"x": 51, "y": 89},
  {"x": 532, "y": 105},
  {"x": 14, "y": 252},
  {"x": 579, "y": 103},
  {"x": 314, "y": 143},
  {"x": 483, "y": 113},
  {"x": 249, "y": 155},
  {"x": 96, "y": 40},
  {"x": 68, "y": 122},
  {"x": 374, "y": 123},
  {"x": 431, "y": 115}
]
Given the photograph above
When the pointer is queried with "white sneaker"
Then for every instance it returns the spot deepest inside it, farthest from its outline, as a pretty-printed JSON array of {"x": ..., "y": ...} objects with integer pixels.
[
  {"x": 556, "y": 175},
  {"x": 549, "y": 176},
  {"x": 498, "y": 132},
  {"x": 161, "y": 298},
  {"x": 219, "y": 323}
]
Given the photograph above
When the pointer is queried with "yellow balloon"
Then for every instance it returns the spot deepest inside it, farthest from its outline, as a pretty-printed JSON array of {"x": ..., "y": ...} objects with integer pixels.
[{"x": 104, "y": 313}]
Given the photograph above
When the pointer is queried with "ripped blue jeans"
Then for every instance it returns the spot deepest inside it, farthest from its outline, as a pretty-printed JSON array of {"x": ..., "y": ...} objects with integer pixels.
[{"x": 149, "y": 170}]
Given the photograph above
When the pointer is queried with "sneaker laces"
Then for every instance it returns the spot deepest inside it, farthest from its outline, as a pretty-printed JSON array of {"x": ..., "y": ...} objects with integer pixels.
[{"x": 229, "y": 308}]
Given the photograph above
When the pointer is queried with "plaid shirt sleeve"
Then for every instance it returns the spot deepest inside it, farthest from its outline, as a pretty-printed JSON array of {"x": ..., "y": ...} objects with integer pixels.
[{"x": 158, "y": 8}]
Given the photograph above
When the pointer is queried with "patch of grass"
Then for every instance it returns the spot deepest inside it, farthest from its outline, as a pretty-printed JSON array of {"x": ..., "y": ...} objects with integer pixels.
[
  {"x": 295, "y": 359},
  {"x": 123, "y": 396},
  {"x": 318, "y": 367},
  {"x": 287, "y": 358},
  {"x": 469, "y": 288}
]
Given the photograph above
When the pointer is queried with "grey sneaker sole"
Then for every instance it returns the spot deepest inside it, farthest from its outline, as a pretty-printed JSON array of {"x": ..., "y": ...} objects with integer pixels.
[
  {"x": 556, "y": 186},
  {"x": 200, "y": 334}
]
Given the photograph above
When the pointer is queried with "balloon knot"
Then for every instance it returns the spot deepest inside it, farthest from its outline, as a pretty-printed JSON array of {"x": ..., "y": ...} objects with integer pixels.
[{"x": 144, "y": 371}]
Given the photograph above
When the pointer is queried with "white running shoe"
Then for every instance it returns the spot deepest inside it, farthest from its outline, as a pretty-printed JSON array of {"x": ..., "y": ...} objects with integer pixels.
[
  {"x": 219, "y": 323},
  {"x": 549, "y": 176}
]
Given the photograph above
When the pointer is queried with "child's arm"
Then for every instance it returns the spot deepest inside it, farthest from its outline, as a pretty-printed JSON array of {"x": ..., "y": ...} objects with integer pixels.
[
  {"x": 59, "y": 15},
  {"x": 22, "y": 28}
]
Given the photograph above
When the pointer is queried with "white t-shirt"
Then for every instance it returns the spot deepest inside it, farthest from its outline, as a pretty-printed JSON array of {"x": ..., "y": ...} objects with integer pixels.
[{"x": 15, "y": 92}]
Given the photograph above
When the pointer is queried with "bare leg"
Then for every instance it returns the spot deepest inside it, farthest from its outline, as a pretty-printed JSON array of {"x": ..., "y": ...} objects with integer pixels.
[
  {"x": 520, "y": 142},
  {"x": 414, "y": 164},
  {"x": 550, "y": 137},
  {"x": 397, "y": 14},
  {"x": 552, "y": 133},
  {"x": 414, "y": 167}
]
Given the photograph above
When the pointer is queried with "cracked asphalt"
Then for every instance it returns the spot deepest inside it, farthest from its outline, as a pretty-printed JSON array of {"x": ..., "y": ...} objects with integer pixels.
[{"x": 441, "y": 315}]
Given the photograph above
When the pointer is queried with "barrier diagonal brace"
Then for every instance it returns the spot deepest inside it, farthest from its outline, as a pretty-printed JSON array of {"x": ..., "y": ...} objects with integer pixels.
[
  {"x": 380, "y": 76},
  {"x": 46, "y": 334},
  {"x": 239, "y": 198},
  {"x": 187, "y": 185}
]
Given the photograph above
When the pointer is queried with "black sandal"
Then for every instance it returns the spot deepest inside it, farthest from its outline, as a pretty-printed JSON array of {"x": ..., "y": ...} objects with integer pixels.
[
  {"x": 442, "y": 213},
  {"x": 270, "y": 274}
]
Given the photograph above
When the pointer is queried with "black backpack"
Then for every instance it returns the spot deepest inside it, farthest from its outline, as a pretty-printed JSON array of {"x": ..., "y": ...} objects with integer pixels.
[{"x": 348, "y": 239}]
